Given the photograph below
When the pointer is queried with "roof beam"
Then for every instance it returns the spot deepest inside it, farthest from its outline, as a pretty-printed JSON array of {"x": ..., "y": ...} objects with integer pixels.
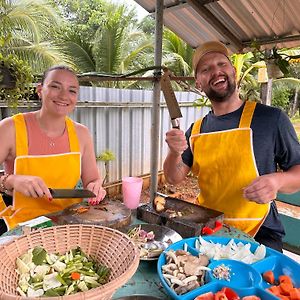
[
  {"x": 215, "y": 23},
  {"x": 267, "y": 41},
  {"x": 179, "y": 3}
]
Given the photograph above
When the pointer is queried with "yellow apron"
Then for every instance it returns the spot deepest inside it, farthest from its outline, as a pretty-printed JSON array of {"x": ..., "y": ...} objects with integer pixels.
[
  {"x": 58, "y": 171},
  {"x": 224, "y": 163}
]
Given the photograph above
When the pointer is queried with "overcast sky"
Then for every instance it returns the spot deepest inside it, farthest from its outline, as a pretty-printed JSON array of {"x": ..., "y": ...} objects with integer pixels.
[{"x": 140, "y": 10}]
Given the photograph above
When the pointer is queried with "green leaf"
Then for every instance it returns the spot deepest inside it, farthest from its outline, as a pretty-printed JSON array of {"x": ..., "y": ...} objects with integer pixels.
[
  {"x": 60, "y": 279},
  {"x": 39, "y": 255},
  {"x": 51, "y": 293}
]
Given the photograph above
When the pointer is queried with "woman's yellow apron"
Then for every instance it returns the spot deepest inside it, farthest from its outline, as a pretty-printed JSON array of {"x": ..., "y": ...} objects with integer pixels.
[
  {"x": 58, "y": 171},
  {"x": 225, "y": 164}
]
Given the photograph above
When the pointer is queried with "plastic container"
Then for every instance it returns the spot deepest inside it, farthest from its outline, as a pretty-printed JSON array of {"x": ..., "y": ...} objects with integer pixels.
[{"x": 245, "y": 279}]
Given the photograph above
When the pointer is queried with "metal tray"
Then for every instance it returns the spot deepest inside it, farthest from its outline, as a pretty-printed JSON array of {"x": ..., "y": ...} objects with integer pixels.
[
  {"x": 246, "y": 279},
  {"x": 192, "y": 217},
  {"x": 163, "y": 237}
]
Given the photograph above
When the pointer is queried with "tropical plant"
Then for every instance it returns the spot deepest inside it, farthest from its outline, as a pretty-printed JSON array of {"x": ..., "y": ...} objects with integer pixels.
[
  {"x": 21, "y": 76},
  {"x": 275, "y": 57},
  {"x": 177, "y": 54},
  {"x": 245, "y": 75},
  {"x": 285, "y": 94},
  {"x": 106, "y": 156},
  {"x": 116, "y": 46},
  {"x": 25, "y": 32}
]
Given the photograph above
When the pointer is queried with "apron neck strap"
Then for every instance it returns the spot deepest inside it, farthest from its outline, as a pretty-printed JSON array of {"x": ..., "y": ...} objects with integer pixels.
[
  {"x": 21, "y": 135},
  {"x": 247, "y": 114},
  {"x": 73, "y": 139},
  {"x": 196, "y": 127}
]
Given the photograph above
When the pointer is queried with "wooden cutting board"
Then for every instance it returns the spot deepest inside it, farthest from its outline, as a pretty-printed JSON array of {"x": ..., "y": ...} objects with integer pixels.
[{"x": 110, "y": 213}]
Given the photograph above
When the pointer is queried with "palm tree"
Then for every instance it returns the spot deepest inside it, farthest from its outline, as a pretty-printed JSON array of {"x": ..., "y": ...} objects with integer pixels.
[
  {"x": 25, "y": 31},
  {"x": 118, "y": 47},
  {"x": 177, "y": 54}
]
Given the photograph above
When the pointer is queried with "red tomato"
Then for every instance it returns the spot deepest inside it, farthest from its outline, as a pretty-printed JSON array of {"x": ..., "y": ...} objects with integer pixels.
[
  {"x": 251, "y": 298},
  {"x": 220, "y": 296},
  {"x": 206, "y": 296},
  {"x": 230, "y": 294}
]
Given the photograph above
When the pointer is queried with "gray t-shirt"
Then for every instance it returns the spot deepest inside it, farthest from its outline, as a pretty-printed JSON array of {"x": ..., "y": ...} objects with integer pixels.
[{"x": 275, "y": 144}]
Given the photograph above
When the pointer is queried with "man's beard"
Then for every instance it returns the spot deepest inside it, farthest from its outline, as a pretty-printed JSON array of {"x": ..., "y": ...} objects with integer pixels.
[{"x": 222, "y": 96}]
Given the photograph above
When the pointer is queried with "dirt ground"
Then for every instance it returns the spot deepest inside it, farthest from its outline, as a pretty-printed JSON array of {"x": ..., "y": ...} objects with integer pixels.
[{"x": 186, "y": 190}]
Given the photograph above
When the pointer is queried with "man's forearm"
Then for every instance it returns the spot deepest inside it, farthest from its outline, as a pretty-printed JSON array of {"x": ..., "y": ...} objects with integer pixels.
[
  {"x": 174, "y": 169},
  {"x": 290, "y": 180}
]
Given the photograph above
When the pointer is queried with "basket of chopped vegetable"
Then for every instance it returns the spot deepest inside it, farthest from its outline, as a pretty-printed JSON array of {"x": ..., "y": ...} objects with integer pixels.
[{"x": 67, "y": 262}]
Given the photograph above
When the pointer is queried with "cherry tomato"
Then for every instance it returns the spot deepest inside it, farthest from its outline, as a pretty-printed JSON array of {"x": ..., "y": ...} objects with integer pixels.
[
  {"x": 230, "y": 294},
  {"x": 206, "y": 296},
  {"x": 220, "y": 296}
]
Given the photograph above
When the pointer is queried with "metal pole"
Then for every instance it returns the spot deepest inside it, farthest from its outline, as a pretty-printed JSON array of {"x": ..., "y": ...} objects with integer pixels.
[{"x": 156, "y": 100}]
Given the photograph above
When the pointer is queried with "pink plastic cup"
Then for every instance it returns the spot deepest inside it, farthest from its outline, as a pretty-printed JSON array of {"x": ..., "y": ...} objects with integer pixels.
[{"x": 131, "y": 190}]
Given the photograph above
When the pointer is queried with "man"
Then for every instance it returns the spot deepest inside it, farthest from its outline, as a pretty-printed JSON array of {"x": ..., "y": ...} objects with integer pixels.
[{"x": 235, "y": 151}]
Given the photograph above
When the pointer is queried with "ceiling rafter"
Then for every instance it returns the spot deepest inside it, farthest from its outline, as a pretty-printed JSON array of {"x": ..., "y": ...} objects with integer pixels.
[{"x": 215, "y": 23}]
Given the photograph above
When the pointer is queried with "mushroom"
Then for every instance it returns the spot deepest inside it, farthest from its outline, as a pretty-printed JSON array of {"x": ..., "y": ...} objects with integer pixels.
[
  {"x": 204, "y": 260},
  {"x": 192, "y": 266},
  {"x": 183, "y": 271},
  {"x": 181, "y": 252}
]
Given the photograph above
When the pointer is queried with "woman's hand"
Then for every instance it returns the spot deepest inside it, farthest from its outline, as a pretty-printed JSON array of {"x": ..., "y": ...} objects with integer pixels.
[
  {"x": 30, "y": 186},
  {"x": 98, "y": 190}
]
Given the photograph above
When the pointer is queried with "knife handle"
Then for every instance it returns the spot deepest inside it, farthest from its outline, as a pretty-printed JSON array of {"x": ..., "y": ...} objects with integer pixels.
[{"x": 175, "y": 123}]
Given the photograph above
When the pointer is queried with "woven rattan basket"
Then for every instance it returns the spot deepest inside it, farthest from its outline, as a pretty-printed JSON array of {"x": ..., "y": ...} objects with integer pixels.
[{"x": 102, "y": 244}]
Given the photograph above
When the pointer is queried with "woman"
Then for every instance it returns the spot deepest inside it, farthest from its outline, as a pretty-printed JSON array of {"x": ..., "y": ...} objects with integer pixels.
[{"x": 49, "y": 150}]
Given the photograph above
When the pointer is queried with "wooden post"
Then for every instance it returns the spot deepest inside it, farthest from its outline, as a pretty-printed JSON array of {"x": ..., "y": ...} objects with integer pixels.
[{"x": 266, "y": 92}]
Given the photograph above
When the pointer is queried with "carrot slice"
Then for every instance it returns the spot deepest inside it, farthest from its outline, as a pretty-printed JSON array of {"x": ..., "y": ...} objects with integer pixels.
[
  {"x": 282, "y": 297},
  {"x": 275, "y": 290},
  {"x": 285, "y": 279},
  {"x": 75, "y": 276},
  {"x": 285, "y": 287},
  {"x": 220, "y": 296},
  {"x": 269, "y": 277},
  {"x": 295, "y": 294}
]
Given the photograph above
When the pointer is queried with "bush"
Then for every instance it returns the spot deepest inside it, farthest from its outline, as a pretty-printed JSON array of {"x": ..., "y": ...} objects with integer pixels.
[{"x": 20, "y": 73}]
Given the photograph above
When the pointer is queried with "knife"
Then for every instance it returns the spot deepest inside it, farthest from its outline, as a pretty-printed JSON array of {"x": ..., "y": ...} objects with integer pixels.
[
  {"x": 170, "y": 98},
  {"x": 71, "y": 193}
]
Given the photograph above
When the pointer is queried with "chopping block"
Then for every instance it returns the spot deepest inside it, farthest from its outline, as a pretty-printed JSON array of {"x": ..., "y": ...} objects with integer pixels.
[{"x": 189, "y": 218}]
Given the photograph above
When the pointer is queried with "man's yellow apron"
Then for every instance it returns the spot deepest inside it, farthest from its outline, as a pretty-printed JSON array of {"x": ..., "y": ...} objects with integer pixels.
[
  {"x": 58, "y": 171},
  {"x": 225, "y": 164}
]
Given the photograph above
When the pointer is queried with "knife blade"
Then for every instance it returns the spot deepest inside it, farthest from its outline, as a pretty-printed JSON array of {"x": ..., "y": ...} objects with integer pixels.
[
  {"x": 170, "y": 98},
  {"x": 71, "y": 193}
]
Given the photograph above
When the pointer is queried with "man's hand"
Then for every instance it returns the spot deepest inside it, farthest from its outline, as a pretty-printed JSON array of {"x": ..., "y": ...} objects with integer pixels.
[
  {"x": 263, "y": 189},
  {"x": 30, "y": 186},
  {"x": 176, "y": 141},
  {"x": 98, "y": 190}
]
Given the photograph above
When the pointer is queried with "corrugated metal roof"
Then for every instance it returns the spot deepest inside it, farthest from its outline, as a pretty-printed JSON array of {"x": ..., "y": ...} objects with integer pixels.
[{"x": 234, "y": 22}]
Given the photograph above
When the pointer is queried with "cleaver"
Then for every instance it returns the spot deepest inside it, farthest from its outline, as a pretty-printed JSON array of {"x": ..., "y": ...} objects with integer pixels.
[
  {"x": 71, "y": 193},
  {"x": 170, "y": 98}
]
